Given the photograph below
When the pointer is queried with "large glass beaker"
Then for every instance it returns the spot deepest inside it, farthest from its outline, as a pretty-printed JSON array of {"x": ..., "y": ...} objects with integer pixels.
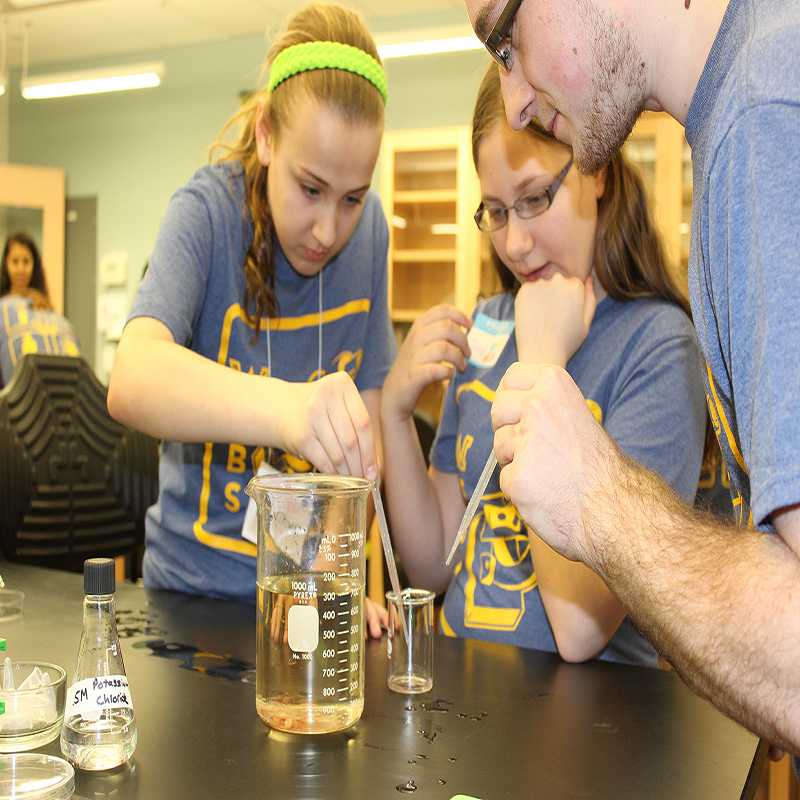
[{"x": 310, "y": 604}]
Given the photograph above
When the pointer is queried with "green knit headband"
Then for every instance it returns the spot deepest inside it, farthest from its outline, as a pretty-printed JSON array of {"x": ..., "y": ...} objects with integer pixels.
[{"x": 326, "y": 55}]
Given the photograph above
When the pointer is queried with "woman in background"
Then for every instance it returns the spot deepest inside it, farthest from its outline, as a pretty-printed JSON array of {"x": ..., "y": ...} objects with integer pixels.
[
  {"x": 28, "y": 323},
  {"x": 22, "y": 273}
]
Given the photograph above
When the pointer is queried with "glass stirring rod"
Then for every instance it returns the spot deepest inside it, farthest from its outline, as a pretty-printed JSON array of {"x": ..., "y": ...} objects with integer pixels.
[
  {"x": 480, "y": 488},
  {"x": 388, "y": 552}
]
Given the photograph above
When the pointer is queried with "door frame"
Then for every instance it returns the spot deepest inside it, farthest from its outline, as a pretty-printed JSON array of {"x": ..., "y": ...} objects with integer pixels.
[{"x": 42, "y": 188}]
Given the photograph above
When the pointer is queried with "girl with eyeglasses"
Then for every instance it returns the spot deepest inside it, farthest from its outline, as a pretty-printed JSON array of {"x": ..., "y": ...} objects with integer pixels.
[{"x": 585, "y": 286}]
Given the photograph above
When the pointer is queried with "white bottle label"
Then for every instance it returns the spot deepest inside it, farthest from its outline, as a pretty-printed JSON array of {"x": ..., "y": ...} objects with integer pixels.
[
  {"x": 303, "y": 625},
  {"x": 93, "y": 695}
]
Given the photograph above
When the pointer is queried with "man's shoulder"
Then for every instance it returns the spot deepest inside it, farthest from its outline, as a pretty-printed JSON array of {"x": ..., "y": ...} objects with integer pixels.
[{"x": 767, "y": 68}]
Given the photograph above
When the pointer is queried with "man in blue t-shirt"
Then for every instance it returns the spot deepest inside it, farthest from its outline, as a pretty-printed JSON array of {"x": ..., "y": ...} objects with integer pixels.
[{"x": 721, "y": 603}]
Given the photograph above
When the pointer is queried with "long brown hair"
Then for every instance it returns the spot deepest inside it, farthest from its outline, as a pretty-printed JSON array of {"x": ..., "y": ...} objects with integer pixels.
[
  {"x": 357, "y": 100},
  {"x": 38, "y": 279},
  {"x": 629, "y": 256}
]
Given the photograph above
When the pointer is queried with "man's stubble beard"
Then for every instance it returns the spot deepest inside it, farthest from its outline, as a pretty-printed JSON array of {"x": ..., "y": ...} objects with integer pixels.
[{"x": 617, "y": 94}]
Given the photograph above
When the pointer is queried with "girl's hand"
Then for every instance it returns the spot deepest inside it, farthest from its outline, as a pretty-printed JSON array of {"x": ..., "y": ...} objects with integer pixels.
[
  {"x": 434, "y": 347},
  {"x": 327, "y": 423},
  {"x": 377, "y": 619},
  {"x": 552, "y": 318}
]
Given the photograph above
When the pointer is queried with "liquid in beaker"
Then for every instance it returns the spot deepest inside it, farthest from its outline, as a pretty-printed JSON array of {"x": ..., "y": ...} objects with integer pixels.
[{"x": 310, "y": 652}]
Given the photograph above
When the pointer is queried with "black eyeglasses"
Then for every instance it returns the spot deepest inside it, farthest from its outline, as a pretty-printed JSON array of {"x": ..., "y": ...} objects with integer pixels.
[
  {"x": 498, "y": 42},
  {"x": 492, "y": 218}
]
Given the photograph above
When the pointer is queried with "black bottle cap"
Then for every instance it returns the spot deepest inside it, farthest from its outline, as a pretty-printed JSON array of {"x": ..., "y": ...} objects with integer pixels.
[{"x": 98, "y": 576}]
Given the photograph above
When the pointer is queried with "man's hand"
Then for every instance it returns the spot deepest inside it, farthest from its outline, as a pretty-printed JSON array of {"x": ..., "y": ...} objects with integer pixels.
[{"x": 553, "y": 454}]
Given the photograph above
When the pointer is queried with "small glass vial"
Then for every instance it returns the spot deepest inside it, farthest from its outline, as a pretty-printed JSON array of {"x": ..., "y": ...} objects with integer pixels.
[
  {"x": 99, "y": 729},
  {"x": 410, "y": 661}
]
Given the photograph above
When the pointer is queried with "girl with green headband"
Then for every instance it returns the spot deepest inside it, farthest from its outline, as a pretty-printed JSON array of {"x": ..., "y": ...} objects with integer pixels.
[{"x": 260, "y": 336}]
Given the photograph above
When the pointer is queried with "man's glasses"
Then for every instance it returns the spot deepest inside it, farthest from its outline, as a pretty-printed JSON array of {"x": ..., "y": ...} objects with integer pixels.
[
  {"x": 492, "y": 218},
  {"x": 498, "y": 42}
]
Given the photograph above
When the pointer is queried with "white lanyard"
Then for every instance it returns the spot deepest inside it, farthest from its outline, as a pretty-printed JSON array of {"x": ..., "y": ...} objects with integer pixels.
[{"x": 319, "y": 334}]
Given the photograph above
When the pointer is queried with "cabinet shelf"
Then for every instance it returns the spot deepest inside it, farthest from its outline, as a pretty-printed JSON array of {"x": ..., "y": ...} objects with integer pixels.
[
  {"x": 429, "y": 191},
  {"x": 429, "y": 196},
  {"x": 424, "y": 256},
  {"x": 407, "y": 314}
]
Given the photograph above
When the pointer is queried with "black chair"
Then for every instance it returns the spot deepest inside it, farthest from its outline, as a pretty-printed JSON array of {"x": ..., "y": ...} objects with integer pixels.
[{"x": 74, "y": 484}]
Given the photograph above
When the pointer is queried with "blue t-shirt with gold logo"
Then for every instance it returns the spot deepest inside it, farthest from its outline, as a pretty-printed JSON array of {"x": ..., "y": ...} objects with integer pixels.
[
  {"x": 25, "y": 329},
  {"x": 743, "y": 126},
  {"x": 195, "y": 286},
  {"x": 640, "y": 372}
]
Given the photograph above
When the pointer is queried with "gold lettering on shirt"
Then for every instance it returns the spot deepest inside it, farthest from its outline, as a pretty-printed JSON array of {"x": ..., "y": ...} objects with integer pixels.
[
  {"x": 498, "y": 565},
  {"x": 497, "y": 546},
  {"x": 463, "y": 445},
  {"x": 237, "y": 458},
  {"x": 237, "y": 454},
  {"x": 232, "y": 502}
]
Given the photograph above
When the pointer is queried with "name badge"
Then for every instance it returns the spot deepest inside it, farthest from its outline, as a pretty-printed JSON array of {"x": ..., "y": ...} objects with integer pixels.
[
  {"x": 487, "y": 337},
  {"x": 250, "y": 526}
]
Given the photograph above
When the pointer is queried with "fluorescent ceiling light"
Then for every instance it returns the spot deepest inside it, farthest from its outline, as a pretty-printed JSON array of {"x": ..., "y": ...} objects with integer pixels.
[
  {"x": 429, "y": 47},
  {"x": 93, "y": 81},
  {"x": 430, "y": 41}
]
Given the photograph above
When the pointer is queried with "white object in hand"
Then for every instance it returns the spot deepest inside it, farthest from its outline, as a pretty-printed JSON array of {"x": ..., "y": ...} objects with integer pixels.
[
  {"x": 480, "y": 488},
  {"x": 387, "y": 548}
]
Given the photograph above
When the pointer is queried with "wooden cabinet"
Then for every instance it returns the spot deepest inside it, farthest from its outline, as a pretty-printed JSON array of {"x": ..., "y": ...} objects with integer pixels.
[
  {"x": 658, "y": 148},
  {"x": 430, "y": 192}
]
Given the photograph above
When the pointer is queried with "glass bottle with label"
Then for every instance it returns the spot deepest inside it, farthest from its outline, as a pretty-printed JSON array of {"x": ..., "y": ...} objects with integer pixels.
[{"x": 99, "y": 729}]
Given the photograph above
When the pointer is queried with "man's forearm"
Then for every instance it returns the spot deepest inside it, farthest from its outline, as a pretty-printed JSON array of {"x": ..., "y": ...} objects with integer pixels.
[{"x": 720, "y": 603}]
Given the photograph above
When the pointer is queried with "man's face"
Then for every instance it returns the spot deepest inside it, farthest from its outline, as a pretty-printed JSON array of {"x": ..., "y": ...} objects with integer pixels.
[{"x": 576, "y": 67}]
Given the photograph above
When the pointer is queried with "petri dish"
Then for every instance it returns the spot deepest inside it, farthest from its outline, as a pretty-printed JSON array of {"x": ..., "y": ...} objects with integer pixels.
[
  {"x": 32, "y": 717},
  {"x": 34, "y": 776}
]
